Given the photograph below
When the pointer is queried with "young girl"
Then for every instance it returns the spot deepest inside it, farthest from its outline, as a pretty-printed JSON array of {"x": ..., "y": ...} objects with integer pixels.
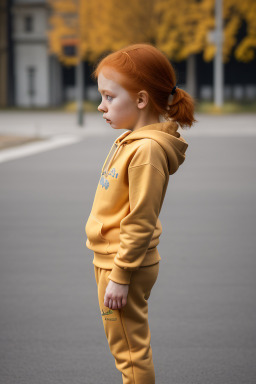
[{"x": 138, "y": 87}]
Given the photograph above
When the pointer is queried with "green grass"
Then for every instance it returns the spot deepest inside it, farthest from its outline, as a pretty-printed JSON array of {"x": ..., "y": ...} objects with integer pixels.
[{"x": 229, "y": 107}]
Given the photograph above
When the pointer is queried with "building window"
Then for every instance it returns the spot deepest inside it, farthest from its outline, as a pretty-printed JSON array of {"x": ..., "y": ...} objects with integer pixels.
[
  {"x": 31, "y": 76},
  {"x": 28, "y": 24}
]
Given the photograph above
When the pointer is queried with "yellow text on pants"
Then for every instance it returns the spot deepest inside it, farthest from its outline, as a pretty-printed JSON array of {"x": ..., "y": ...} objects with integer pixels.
[{"x": 127, "y": 329}]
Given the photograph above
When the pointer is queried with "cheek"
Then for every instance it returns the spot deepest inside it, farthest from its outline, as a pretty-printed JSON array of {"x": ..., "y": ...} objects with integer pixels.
[
  {"x": 132, "y": 111},
  {"x": 126, "y": 106},
  {"x": 127, "y": 112}
]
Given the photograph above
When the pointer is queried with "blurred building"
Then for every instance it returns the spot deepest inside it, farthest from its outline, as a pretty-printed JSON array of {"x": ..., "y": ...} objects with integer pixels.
[
  {"x": 239, "y": 78},
  {"x": 38, "y": 81},
  {"x": 6, "y": 55}
]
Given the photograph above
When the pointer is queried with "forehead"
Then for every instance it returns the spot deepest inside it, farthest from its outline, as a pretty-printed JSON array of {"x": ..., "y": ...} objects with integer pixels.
[{"x": 109, "y": 78}]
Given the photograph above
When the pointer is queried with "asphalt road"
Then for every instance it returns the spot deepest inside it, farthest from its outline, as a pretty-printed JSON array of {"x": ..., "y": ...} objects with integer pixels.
[{"x": 202, "y": 308}]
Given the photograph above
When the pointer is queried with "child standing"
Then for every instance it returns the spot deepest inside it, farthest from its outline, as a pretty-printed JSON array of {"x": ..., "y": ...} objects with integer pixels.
[{"x": 138, "y": 86}]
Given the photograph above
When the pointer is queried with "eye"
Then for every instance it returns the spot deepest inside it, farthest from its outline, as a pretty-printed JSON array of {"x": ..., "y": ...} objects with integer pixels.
[{"x": 109, "y": 98}]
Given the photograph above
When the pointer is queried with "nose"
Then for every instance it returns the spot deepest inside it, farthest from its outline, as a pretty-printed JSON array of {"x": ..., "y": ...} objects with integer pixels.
[{"x": 102, "y": 107}]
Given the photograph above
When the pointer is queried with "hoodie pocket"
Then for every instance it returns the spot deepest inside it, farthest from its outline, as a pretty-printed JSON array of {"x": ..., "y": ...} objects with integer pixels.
[{"x": 95, "y": 239}]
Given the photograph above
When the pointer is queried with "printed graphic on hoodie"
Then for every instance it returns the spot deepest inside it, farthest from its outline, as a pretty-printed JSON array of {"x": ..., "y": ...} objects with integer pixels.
[{"x": 103, "y": 181}]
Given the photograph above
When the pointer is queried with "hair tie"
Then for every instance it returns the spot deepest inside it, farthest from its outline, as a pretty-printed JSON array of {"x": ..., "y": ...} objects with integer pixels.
[
  {"x": 170, "y": 98},
  {"x": 174, "y": 90}
]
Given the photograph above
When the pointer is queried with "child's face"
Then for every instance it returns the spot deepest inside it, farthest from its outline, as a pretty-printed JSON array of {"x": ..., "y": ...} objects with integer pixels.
[{"x": 118, "y": 106}]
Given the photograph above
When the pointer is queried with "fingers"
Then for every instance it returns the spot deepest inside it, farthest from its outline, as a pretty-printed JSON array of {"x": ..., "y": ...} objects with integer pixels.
[
  {"x": 124, "y": 302},
  {"x": 110, "y": 303},
  {"x": 116, "y": 295},
  {"x": 106, "y": 301},
  {"x": 114, "y": 303}
]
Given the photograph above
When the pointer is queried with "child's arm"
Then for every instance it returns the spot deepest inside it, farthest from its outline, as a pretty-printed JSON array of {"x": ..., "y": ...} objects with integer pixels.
[
  {"x": 148, "y": 179},
  {"x": 116, "y": 295}
]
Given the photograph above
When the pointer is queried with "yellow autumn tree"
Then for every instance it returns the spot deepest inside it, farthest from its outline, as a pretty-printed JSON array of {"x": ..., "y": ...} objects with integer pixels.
[
  {"x": 132, "y": 22},
  {"x": 184, "y": 25},
  {"x": 80, "y": 23},
  {"x": 63, "y": 27},
  {"x": 116, "y": 25},
  {"x": 99, "y": 26},
  {"x": 245, "y": 51},
  {"x": 181, "y": 31},
  {"x": 236, "y": 14}
]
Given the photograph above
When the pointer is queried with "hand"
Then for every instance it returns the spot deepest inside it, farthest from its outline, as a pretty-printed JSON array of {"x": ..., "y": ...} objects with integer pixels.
[{"x": 116, "y": 295}]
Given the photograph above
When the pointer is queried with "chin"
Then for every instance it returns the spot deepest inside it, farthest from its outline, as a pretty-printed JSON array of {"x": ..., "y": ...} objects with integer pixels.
[{"x": 118, "y": 127}]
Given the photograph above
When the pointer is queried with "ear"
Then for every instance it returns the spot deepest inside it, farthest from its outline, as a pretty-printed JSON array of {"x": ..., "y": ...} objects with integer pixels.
[{"x": 142, "y": 99}]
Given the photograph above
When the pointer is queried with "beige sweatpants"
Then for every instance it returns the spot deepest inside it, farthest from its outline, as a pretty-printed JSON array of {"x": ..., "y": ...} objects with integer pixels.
[{"x": 127, "y": 329}]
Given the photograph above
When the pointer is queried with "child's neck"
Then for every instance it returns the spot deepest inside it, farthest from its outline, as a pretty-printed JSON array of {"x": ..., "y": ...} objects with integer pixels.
[{"x": 146, "y": 119}]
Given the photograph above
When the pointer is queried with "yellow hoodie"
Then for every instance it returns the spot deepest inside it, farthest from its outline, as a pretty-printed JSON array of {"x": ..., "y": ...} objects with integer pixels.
[{"x": 123, "y": 228}]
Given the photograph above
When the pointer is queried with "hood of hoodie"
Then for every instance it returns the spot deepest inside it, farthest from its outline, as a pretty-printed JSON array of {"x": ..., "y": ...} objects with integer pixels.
[{"x": 166, "y": 135}]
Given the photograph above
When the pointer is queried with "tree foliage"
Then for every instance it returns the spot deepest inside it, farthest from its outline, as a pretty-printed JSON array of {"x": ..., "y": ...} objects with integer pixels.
[
  {"x": 178, "y": 27},
  {"x": 99, "y": 26},
  {"x": 63, "y": 27},
  {"x": 184, "y": 26},
  {"x": 243, "y": 12}
]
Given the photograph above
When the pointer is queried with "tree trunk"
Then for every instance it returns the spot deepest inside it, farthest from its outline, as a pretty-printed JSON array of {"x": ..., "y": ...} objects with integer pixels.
[{"x": 191, "y": 75}]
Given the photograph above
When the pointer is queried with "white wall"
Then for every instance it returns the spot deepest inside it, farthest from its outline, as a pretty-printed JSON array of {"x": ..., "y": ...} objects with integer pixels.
[
  {"x": 39, "y": 15},
  {"x": 32, "y": 55},
  {"x": 31, "y": 51}
]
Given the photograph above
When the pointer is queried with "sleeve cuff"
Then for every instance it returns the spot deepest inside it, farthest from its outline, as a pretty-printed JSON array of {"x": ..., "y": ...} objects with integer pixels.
[{"x": 120, "y": 275}]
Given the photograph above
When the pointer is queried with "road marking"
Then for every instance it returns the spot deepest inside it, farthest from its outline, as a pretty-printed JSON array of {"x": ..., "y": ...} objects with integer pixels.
[{"x": 36, "y": 147}]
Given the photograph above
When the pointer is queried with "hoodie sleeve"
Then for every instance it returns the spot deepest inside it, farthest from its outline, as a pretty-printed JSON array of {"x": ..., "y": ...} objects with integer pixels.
[{"x": 148, "y": 178}]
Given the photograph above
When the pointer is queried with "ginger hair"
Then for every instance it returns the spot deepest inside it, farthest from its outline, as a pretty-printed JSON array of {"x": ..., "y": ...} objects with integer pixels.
[{"x": 146, "y": 68}]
